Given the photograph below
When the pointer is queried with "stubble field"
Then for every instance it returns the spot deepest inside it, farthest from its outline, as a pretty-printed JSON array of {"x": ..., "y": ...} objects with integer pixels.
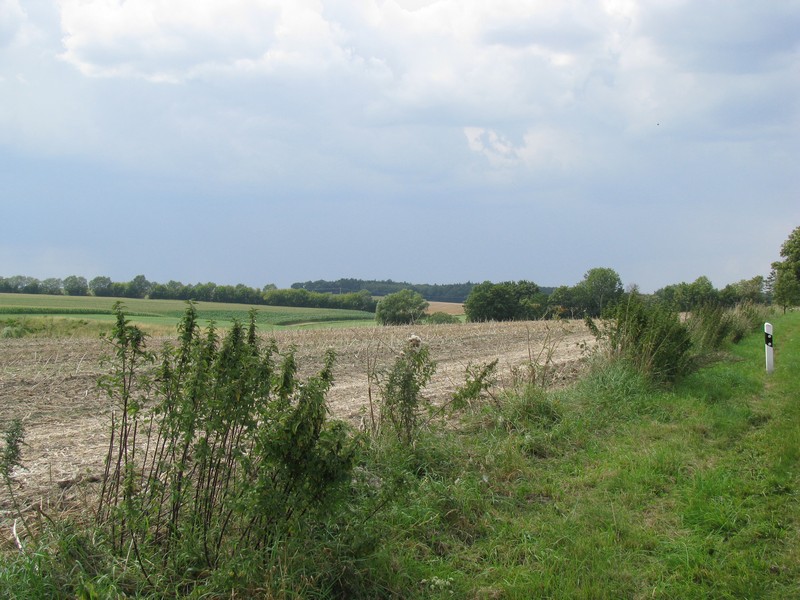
[{"x": 50, "y": 384}]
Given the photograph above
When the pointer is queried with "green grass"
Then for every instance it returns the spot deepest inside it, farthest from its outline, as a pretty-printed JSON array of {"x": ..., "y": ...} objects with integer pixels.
[
  {"x": 162, "y": 315},
  {"x": 612, "y": 488}
]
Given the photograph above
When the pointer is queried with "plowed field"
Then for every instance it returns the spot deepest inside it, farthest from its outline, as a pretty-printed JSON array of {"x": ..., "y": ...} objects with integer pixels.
[{"x": 51, "y": 385}]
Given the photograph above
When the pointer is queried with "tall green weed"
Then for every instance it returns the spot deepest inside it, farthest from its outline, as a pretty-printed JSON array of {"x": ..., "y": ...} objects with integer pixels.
[
  {"x": 711, "y": 326},
  {"x": 230, "y": 452},
  {"x": 648, "y": 336}
]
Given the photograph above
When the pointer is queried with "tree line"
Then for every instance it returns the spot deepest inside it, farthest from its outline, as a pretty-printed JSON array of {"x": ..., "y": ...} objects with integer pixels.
[
  {"x": 601, "y": 290},
  {"x": 140, "y": 287},
  {"x": 450, "y": 292}
]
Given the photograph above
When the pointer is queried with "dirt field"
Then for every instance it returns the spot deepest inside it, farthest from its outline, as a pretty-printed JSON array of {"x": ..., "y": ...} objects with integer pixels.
[
  {"x": 450, "y": 308},
  {"x": 51, "y": 386}
]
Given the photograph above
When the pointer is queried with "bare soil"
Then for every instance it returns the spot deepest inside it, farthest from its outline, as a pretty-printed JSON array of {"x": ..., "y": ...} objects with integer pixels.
[
  {"x": 51, "y": 384},
  {"x": 450, "y": 308}
]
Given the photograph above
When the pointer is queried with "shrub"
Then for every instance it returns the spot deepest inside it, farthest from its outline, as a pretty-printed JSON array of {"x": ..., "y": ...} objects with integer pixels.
[
  {"x": 12, "y": 331},
  {"x": 647, "y": 335},
  {"x": 442, "y": 318},
  {"x": 711, "y": 325},
  {"x": 402, "y": 387},
  {"x": 234, "y": 454},
  {"x": 401, "y": 308},
  {"x": 507, "y": 301},
  {"x": 477, "y": 381}
]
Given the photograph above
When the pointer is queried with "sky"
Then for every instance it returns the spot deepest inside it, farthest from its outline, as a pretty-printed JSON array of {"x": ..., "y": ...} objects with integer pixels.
[{"x": 428, "y": 141}]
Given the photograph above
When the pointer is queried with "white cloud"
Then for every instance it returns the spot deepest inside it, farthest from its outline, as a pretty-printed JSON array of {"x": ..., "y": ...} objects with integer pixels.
[
  {"x": 175, "y": 40},
  {"x": 542, "y": 148},
  {"x": 571, "y": 87},
  {"x": 15, "y": 27}
]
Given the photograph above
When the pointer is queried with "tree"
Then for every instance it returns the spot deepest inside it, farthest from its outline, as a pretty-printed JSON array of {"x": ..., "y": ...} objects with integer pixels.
[
  {"x": 564, "y": 301},
  {"x": 75, "y": 285},
  {"x": 746, "y": 290},
  {"x": 785, "y": 285},
  {"x": 790, "y": 251},
  {"x": 701, "y": 291},
  {"x": 52, "y": 286},
  {"x": 600, "y": 286},
  {"x": 101, "y": 286},
  {"x": 442, "y": 318},
  {"x": 507, "y": 301},
  {"x": 138, "y": 287},
  {"x": 785, "y": 276},
  {"x": 401, "y": 308}
]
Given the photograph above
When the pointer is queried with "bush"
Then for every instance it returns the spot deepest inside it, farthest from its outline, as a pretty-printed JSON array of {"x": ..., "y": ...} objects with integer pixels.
[
  {"x": 401, "y": 308},
  {"x": 402, "y": 387},
  {"x": 647, "y": 335},
  {"x": 12, "y": 331},
  {"x": 235, "y": 453},
  {"x": 711, "y": 325},
  {"x": 507, "y": 301},
  {"x": 442, "y": 318}
]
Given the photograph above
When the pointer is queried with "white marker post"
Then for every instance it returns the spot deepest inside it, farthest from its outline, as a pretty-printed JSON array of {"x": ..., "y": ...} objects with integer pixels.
[{"x": 768, "y": 347}]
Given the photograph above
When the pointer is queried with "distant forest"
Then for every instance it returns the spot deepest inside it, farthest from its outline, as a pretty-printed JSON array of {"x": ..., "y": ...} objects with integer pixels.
[{"x": 449, "y": 292}]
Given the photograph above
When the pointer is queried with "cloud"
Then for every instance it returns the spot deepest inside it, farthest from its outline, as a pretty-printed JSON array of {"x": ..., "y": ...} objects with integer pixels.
[
  {"x": 14, "y": 25},
  {"x": 541, "y": 149},
  {"x": 175, "y": 40},
  {"x": 389, "y": 91},
  {"x": 728, "y": 36}
]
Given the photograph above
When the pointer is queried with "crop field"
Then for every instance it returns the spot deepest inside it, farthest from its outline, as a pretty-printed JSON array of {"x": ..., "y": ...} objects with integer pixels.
[
  {"x": 162, "y": 315},
  {"x": 51, "y": 385}
]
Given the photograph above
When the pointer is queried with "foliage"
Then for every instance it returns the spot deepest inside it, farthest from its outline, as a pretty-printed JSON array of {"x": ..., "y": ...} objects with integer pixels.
[
  {"x": 48, "y": 327},
  {"x": 401, "y": 308},
  {"x": 785, "y": 275},
  {"x": 450, "y": 292},
  {"x": 101, "y": 286},
  {"x": 711, "y": 326},
  {"x": 235, "y": 452},
  {"x": 75, "y": 285},
  {"x": 566, "y": 301},
  {"x": 477, "y": 382},
  {"x": 20, "y": 284},
  {"x": 746, "y": 290},
  {"x": 11, "y": 455},
  {"x": 600, "y": 287},
  {"x": 10, "y": 458},
  {"x": 442, "y": 318},
  {"x": 401, "y": 390},
  {"x": 790, "y": 250},
  {"x": 361, "y": 300},
  {"x": 785, "y": 285},
  {"x": 649, "y": 336},
  {"x": 685, "y": 297},
  {"x": 52, "y": 286},
  {"x": 507, "y": 301}
]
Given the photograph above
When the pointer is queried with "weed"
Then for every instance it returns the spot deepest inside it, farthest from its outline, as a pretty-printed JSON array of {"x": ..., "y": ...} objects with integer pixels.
[
  {"x": 235, "y": 452},
  {"x": 648, "y": 336},
  {"x": 478, "y": 380},
  {"x": 401, "y": 389},
  {"x": 10, "y": 458}
]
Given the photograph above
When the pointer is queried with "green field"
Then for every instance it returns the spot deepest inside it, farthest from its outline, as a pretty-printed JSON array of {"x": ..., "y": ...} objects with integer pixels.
[{"x": 162, "y": 315}]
